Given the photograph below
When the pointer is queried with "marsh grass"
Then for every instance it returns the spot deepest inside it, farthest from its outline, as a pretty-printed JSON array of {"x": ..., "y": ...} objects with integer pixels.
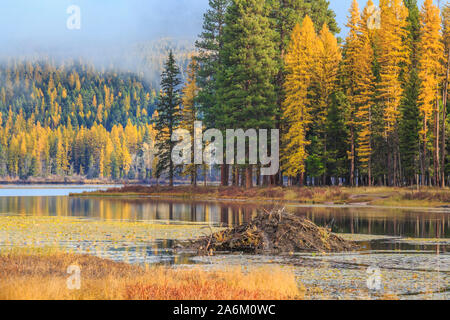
[
  {"x": 304, "y": 195},
  {"x": 432, "y": 195},
  {"x": 384, "y": 196},
  {"x": 41, "y": 275}
]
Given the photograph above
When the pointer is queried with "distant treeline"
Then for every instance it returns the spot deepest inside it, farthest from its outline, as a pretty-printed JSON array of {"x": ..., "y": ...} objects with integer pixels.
[{"x": 71, "y": 119}]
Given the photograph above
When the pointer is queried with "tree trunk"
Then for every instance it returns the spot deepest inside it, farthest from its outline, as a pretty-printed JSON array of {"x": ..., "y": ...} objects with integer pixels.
[
  {"x": 324, "y": 179},
  {"x": 352, "y": 162},
  {"x": 258, "y": 176},
  {"x": 236, "y": 176},
  {"x": 394, "y": 153},
  {"x": 194, "y": 176},
  {"x": 369, "y": 169},
  {"x": 249, "y": 177},
  {"x": 224, "y": 175},
  {"x": 444, "y": 120},
  {"x": 265, "y": 180},
  {"x": 171, "y": 174},
  {"x": 389, "y": 164},
  {"x": 424, "y": 153},
  {"x": 436, "y": 156}
]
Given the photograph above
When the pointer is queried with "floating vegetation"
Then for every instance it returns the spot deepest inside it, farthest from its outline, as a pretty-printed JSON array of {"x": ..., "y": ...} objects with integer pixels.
[
  {"x": 344, "y": 275},
  {"x": 426, "y": 241},
  {"x": 364, "y": 237},
  {"x": 104, "y": 238}
]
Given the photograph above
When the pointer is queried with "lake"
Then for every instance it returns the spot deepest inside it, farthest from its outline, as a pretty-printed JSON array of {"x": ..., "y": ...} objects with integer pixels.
[
  {"x": 47, "y": 190},
  {"x": 144, "y": 230}
]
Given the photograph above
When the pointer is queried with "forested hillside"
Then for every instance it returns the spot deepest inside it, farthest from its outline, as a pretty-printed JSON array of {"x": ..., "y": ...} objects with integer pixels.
[
  {"x": 71, "y": 119},
  {"x": 73, "y": 92}
]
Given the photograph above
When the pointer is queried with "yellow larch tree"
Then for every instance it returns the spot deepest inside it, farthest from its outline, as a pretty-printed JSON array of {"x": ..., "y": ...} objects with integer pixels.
[
  {"x": 300, "y": 61},
  {"x": 430, "y": 72},
  {"x": 131, "y": 137},
  {"x": 365, "y": 91},
  {"x": 350, "y": 71},
  {"x": 393, "y": 57},
  {"x": 446, "y": 41},
  {"x": 325, "y": 76},
  {"x": 62, "y": 146}
]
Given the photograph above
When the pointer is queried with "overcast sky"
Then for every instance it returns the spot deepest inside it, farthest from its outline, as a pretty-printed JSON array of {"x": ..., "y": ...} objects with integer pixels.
[{"x": 40, "y": 25}]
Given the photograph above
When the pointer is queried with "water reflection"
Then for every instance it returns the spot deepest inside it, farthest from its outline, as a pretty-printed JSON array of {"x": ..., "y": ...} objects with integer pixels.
[
  {"x": 375, "y": 221},
  {"x": 155, "y": 252},
  {"x": 391, "y": 222}
]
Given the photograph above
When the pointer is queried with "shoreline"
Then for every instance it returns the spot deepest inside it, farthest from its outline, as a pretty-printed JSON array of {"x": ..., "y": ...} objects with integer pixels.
[
  {"x": 59, "y": 182},
  {"x": 288, "y": 203},
  {"x": 339, "y": 197}
]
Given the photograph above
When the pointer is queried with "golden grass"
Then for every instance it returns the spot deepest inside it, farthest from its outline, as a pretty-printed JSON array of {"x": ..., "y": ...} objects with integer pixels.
[
  {"x": 410, "y": 197},
  {"x": 389, "y": 296},
  {"x": 385, "y": 196},
  {"x": 42, "y": 275},
  {"x": 409, "y": 193},
  {"x": 304, "y": 195}
]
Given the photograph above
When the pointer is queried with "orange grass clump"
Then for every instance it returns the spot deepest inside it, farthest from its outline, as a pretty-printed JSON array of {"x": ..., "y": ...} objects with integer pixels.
[
  {"x": 230, "y": 284},
  {"x": 31, "y": 276}
]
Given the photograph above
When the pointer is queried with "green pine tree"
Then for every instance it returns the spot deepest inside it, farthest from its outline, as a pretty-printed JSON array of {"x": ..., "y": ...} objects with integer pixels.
[
  {"x": 169, "y": 116},
  {"x": 409, "y": 126},
  {"x": 246, "y": 93},
  {"x": 338, "y": 137},
  {"x": 208, "y": 63},
  {"x": 320, "y": 12},
  {"x": 208, "y": 59}
]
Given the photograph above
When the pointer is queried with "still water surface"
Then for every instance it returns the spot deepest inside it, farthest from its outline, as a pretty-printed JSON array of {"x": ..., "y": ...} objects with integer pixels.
[
  {"x": 411, "y": 246},
  {"x": 47, "y": 190},
  {"x": 51, "y": 201}
]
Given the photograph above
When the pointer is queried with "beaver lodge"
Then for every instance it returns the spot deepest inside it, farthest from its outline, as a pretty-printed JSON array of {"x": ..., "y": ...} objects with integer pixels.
[{"x": 274, "y": 232}]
